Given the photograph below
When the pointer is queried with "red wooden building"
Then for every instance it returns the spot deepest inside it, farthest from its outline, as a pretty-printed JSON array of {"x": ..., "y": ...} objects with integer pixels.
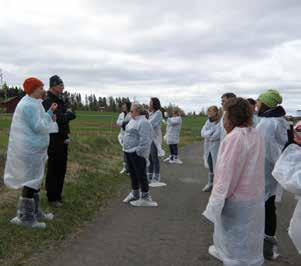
[{"x": 10, "y": 104}]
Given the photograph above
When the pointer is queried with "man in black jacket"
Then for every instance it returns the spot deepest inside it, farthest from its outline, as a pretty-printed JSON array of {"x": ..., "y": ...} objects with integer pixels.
[{"x": 58, "y": 147}]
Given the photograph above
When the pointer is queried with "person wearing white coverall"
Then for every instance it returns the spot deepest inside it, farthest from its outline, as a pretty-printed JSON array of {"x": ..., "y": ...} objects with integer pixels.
[
  {"x": 27, "y": 153},
  {"x": 287, "y": 172},
  {"x": 123, "y": 119},
  {"x": 236, "y": 204},
  {"x": 136, "y": 145},
  {"x": 172, "y": 136},
  {"x": 273, "y": 127},
  {"x": 155, "y": 118},
  {"x": 211, "y": 132}
]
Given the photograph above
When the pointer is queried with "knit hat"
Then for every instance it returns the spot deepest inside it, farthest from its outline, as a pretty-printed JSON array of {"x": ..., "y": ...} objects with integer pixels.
[
  {"x": 55, "y": 81},
  {"x": 297, "y": 132},
  {"x": 31, "y": 84},
  {"x": 271, "y": 98}
]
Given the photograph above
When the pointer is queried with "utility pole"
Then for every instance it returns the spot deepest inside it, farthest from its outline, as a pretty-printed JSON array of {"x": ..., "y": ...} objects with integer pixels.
[{"x": 1, "y": 79}]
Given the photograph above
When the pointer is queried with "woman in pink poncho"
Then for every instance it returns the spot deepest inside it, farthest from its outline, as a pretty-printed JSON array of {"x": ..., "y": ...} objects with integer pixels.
[{"x": 236, "y": 205}]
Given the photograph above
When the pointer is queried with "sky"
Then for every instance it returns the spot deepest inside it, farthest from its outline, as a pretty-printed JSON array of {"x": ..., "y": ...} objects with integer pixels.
[{"x": 185, "y": 52}]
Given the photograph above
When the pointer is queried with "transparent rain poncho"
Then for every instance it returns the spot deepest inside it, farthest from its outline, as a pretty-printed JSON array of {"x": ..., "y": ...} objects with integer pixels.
[
  {"x": 287, "y": 172},
  {"x": 211, "y": 133},
  {"x": 274, "y": 132},
  {"x": 28, "y": 143},
  {"x": 236, "y": 205},
  {"x": 173, "y": 130}
]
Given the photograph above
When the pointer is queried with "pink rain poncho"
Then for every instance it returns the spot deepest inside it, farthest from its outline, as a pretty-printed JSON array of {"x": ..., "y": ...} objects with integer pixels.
[{"x": 236, "y": 205}]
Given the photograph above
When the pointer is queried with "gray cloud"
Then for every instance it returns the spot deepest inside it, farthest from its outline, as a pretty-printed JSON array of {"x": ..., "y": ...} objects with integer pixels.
[{"x": 185, "y": 52}]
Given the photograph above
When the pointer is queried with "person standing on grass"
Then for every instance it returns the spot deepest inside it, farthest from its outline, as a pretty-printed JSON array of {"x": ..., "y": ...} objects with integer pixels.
[
  {"x": 225, "y": 98},
  {"x": 58, "y": 148},
  {"x": 155, "y": 118},
  {"x": 172, "y": 136},
  {"x": 253, "y": 104},
  {"x": 136, "y": 145},
  {"x": 274, "y": 129},
  {"x": 211, "y": 132},
  {"x": 123, "y": 119},
  {"x": 236, "y": 204},
  {"x": 27, "y": 153}
]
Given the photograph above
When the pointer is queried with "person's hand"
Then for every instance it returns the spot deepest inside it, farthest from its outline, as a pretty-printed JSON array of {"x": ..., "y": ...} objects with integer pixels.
[{"x": 53, "y": 107}]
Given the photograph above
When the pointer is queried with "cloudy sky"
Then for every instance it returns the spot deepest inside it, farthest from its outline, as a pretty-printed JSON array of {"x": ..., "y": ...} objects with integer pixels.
[{"x": 185, "y": 52}]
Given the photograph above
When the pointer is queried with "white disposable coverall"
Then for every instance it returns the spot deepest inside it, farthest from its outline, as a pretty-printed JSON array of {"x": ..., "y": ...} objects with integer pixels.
[
  {"x": 274, "y": 133},
  {"x": 173, "y": 130},
  {"x": 211, "y": 133},
  {"x": 287, "y": 172},
  {"x": 28, "y": 143}
]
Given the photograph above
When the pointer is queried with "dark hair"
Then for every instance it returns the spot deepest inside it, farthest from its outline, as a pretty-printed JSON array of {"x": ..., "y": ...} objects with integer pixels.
[
  {"x": 251, "y": 101},
  {"x": 229, "y": 95},
  {"x": 128, "y": 105},
  {"x": 239, "y": 112},
  {"x": 156, "y": 103}
]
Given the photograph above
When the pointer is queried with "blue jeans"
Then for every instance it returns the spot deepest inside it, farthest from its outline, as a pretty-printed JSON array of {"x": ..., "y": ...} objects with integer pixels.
[{"x": 154, "y": 167}]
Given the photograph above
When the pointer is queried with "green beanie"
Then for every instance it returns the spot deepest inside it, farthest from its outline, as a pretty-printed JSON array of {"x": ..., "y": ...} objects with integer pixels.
[{"x": 271, "y": 98}]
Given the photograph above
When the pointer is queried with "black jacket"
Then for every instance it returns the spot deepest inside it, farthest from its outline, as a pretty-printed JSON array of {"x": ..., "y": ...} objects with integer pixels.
[{"x": 63, "y": 117}]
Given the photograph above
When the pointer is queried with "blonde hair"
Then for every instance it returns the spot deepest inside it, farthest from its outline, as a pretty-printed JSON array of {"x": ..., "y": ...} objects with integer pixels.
[{"x": 139, "y": 108}]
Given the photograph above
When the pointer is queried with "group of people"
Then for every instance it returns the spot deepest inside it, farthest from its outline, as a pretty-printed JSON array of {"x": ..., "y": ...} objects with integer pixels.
[
  {"x": 250, "y": 149},
  {"x": 141, "y": 140},
  {"x": 39, "y": 134},
  {"x": 243, "y": 143}
]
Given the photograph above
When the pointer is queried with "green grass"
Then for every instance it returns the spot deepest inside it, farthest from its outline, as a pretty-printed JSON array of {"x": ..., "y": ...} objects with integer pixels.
[{"x": 94, "y": 162}]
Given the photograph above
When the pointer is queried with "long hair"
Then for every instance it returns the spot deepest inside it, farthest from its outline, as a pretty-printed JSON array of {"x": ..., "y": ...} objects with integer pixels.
[{"x": 156, "y": 103}]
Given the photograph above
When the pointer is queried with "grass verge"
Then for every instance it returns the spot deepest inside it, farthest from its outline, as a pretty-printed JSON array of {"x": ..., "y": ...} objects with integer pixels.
[{"x": 92, "y": 178}]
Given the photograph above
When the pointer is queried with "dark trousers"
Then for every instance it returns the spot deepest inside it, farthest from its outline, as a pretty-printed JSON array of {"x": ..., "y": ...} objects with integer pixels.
[
  {"x": 28, "y": 192},
  {"x": 173, "y": 148},
  {"x": 210, "y": 163},
  {"x": 56, "y": 171},
  {"x": 154, "y": 166},
  {"x": 270, "y": 217},
  {"x": 137, "y": 169}
]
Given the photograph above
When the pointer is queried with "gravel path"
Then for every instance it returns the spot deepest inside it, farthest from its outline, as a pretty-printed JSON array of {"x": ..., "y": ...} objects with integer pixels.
[{"x": 173, "y": 234}]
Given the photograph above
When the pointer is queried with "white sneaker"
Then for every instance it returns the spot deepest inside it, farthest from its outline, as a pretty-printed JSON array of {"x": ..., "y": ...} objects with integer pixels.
[
  {"x": 178, "y": 161},
  {"x": 34, "y": 225},
  {"x": 213, "y": 252},
  {"x": 130, "y": 198},
  {"x": 46, "y": 216},
  {"x": 148, "y": 202},
  {"x": 167, "y": 159},
  {"x": 157, "y": 184},
  {"x": 208, "y": 188},
  {"x": 172, "y": 161},
  {"x": 122, "y": 171}
]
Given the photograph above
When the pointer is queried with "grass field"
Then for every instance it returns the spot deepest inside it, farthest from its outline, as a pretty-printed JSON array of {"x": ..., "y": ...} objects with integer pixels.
[{"x": 92, "y": 178}]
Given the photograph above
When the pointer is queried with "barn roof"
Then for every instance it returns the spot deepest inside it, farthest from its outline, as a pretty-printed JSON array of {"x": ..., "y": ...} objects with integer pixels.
[{"x": 10, "y": 99}]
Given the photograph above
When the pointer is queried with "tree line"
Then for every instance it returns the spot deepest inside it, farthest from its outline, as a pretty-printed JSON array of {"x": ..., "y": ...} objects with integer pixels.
[
  {"x": 73, "y": 100},
  {"x": 77, "y": 102}
]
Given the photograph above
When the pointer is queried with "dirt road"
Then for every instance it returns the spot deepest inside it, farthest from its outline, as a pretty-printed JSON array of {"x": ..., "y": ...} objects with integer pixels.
[{"x": 175, "y": 233}]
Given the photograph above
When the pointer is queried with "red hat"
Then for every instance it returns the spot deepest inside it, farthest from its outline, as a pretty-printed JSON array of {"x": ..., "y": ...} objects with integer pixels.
[{"x": 31, "y": 84}]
